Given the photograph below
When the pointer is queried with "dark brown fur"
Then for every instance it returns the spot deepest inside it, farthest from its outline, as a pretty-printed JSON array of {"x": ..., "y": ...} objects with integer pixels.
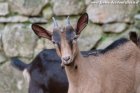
[{"x": 134, "y": 37}]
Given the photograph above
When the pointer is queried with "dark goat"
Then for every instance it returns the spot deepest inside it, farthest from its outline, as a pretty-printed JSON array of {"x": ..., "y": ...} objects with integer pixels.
[{"x": 46, "y": 75}]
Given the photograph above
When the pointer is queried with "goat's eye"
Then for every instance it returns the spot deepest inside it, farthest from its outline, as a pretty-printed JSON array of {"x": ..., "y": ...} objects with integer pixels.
[
  {"x": 75, "y": 38},
  {"x": 53, "y": 42}
]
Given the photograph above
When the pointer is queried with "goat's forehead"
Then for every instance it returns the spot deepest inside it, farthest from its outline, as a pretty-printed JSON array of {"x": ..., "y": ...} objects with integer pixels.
[{"x": 67, "y": 32}]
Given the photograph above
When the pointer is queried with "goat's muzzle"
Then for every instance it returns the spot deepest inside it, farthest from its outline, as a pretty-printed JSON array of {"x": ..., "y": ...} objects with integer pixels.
[{"x": 67, "y": 60}]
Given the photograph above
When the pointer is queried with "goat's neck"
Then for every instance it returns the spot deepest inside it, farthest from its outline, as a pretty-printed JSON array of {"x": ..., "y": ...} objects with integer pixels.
[
  {"x": 77, "y": 77},
  {"x": 72, "y": 72}
]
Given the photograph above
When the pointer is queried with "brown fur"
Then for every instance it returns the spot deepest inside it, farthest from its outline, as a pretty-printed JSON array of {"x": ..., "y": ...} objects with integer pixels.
[{"x": 117, "y": 71}]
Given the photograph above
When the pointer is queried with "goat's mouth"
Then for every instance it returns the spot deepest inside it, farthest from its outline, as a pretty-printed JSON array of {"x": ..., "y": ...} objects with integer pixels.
[{"x": 68, "y": 62}]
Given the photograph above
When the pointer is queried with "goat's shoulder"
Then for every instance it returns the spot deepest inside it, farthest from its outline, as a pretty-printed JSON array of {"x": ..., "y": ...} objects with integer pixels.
[
  {"x": 49, "y": 54},
  {"x": 44, "y": 59}
]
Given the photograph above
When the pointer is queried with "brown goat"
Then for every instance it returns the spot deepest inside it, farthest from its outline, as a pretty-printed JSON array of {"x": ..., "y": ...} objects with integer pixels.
[{"x": 115, "y": 71}]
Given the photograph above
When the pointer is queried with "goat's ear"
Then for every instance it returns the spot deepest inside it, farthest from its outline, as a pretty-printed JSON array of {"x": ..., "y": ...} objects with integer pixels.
[
  {"x": 133, "y": 36},
  {"x": 41, "y": 32},
  {"x": 82, "y": 22}
]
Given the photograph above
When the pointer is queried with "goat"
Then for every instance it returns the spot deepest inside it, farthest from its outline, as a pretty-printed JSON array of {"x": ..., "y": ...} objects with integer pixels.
[
  {"x": 45, "y": 74},
  {"x": 44, "y": 58},
  {"x": 115, "y": 71}
]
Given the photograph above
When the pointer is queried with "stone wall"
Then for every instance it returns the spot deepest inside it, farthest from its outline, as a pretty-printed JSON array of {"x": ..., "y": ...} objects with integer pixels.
[{"x": 107, "y": 22}]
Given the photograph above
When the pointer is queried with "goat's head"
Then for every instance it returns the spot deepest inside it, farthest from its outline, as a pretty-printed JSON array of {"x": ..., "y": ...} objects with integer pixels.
[{"x": 64, "y": 38}]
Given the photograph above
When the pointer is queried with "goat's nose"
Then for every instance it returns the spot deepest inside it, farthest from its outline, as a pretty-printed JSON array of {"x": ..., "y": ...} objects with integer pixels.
[{"x": 66, "y": 58}]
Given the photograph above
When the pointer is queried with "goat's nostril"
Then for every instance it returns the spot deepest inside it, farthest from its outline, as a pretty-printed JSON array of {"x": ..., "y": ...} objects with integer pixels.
[{"x": 66, "y": 58}]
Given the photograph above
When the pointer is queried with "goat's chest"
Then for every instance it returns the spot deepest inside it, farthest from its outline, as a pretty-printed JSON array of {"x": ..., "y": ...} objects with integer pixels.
[{"x": 101, "y": 79}]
